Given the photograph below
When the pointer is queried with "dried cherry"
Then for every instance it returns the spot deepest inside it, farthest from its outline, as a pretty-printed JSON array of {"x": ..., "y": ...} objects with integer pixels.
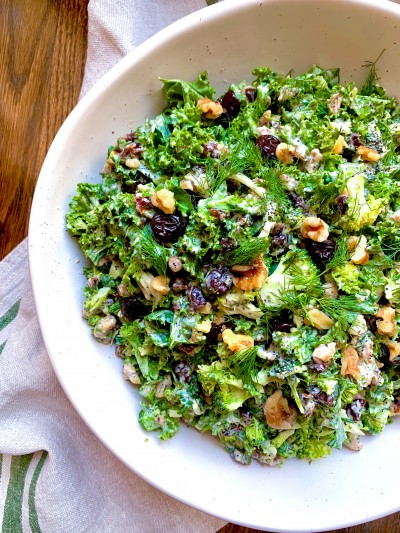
[
  {"x": 132, "y": 308},
  {"x": 251, "y": 94},
  {"x": 282, "y": 322},
  {"x": 279, "y": 240},
  {"x": 298, "y": 202},
  {"x": 228, "y": 244},
  {"x": 268, "y": 145},
  {"x": 341, "y": 202},
  {"x": 167, "y": 228},
  {"x": 196, "y": 298},
  {"x": 321, "y": 252},
  {"x": 219, "y": 280},
  {"x": 231, "y": 104}
]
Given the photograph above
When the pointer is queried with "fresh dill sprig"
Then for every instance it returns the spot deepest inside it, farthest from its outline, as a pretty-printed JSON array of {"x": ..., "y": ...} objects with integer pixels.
[
  {"x": 345, "y": 309},
  {"x": 153, "y": 252},
  {"x": 371, "y": 82},
  {"x": 296, "y": 301},
  {"x": 273, "y": 186},
  {"x": 215, "y": 175},
  {"x": 243, "y": 364},
  {"x": 246, "y": 253},
  {"x": 240, "y": 157},
  {"x": 391, "y": 250},
  {"x": 341, "y": 254}
]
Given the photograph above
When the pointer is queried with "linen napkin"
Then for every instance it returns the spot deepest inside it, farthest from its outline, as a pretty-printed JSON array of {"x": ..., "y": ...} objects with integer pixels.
[{"x": 55, "y": 475}]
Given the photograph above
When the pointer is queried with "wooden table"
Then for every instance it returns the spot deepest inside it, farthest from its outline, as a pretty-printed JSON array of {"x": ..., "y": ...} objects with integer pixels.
[{"x": 42, "y": 59}]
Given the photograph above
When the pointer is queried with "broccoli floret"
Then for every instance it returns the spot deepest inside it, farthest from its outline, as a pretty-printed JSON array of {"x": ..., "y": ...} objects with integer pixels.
[
  {"x": 392, "y": 288},
  {"x": 96, "y": 300},
  {"x": 228, "y": 392},
  {"x": 153, "y": 417},
  {"x": 361, "y": 211},
  {"x": 379, "y": 399},
  {"x": 295, "y": 273},
  {"x": 299, "y": 344},
  {"x": 347, "y": 277},
  {"x": 237, "y": 302}
]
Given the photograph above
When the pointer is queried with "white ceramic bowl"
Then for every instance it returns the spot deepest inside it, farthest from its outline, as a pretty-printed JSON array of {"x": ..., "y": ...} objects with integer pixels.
[{"x": 228, "y": 40}]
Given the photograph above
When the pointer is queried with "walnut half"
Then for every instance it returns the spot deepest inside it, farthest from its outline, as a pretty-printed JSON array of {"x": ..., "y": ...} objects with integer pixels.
[
  {"x": 237, "y": 342},
  {"x": 249, "y": 277},
  {"x": 209, "y": 108},
  {"x": 278, "y": 413},
  {"x": 164, "y": 200},
  {"x": 314, "y": 228},
  {"x": 386, "y": 324}
]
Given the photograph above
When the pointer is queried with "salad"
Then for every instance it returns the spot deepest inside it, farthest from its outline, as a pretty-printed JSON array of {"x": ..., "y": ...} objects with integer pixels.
[{"x": 244, "y": 260}]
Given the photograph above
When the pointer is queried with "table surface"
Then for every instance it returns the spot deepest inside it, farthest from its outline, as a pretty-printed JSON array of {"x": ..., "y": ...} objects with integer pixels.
[{"x": 42, "y": 59}]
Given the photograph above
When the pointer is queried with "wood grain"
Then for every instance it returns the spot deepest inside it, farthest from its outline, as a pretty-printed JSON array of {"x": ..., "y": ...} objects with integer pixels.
[{"x": 42, "y": 58}]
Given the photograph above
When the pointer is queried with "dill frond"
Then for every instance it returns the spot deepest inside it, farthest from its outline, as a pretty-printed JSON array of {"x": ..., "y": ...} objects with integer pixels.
[
  {"x": 345, "y": 309},
  {"x": 295, "y": 301},
  {"x": 392, "y": 250},
  {"x": 246, "y": 253},
  {"x": 153, "y": 252},
  {"x": 273, "y": 186},
  {"x": 243, "y": 364},
  {"x": 341, "y": 255},
  {"x": 370, "y": 83}
]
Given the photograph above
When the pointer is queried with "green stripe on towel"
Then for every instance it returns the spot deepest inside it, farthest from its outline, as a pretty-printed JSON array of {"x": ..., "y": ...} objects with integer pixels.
[
  {"x": 9, "y": 316},
  {"x": 33, "y": 518},
  {"x": 12, "y": 517}
]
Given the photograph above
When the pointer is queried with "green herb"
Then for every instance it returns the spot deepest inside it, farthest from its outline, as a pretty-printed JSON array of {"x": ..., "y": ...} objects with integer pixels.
[
  {"x": 247, "y": 252},
  {"x": 369, "y": 86},
  {"x": 341, "y": 254},
  {"x": 153, "y": 252},
  {"x": 346, "y": 308},
  {"x": 243, "y": 364}
]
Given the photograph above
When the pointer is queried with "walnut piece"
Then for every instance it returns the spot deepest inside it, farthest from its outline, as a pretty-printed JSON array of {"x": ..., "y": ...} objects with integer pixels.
[
  {"x": 175, "y": 263},
  {"x": 353, "y": 443},
  {"x": 318, "y": 319},
  {"x": 250, "y": 276},
  {"x": 278, "y": 413},
  {"x": 368, "y": 154},
  {"x": 130, "y": 374},
  {"x": 315, "y": 229},
  {"x": 312, "y": 160},
  {"x": 394, "y": 349},
  {"x": 340, "y": 143},
  {"x": 205, "y": 326},
  {"x": 334, "y": 103},
  {"x": 132, "y": 162},
  {"x": 209, "y": 108},
  {"x": 350, "y": 361},
  {"x": 324, "y": 352},
  {"x": 236, "y": 342},
  {"x": 285, "y": 153},
  {"x": 164, "y": 200},
  {"x": 396, "y": 216},
  {"x": 160, "y": 284},
  {"x": 386, "y": 326},
  {"x": 358, "y": 247}
]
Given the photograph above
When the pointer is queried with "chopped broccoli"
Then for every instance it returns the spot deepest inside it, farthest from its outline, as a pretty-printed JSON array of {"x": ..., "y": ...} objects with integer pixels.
[
  {"x": 295, "y": 274},
  {"x": 361, "y": 210}
]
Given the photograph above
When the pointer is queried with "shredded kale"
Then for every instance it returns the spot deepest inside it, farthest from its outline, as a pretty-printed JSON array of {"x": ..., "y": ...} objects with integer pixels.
[{"x": 229, "y": 311}]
